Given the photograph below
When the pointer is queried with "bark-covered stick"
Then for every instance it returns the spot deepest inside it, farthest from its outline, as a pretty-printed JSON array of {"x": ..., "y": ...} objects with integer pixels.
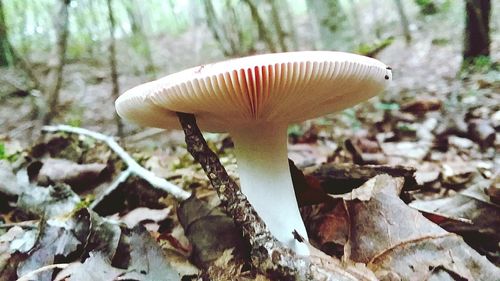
[{"x": 268, "y": 255}]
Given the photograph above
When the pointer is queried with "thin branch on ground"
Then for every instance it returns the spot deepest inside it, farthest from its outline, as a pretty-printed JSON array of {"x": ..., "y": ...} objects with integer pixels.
[
  {"x": 23, "y": 224},
  {"x": 29, "y": 276},
  {"x": 133, "y": 167}
]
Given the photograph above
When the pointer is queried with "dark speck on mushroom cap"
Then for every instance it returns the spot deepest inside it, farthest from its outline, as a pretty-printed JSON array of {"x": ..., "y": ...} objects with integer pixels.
[{"x": 275, "y": 88}]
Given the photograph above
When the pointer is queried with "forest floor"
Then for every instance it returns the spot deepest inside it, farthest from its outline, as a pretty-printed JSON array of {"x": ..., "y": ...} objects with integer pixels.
[{"x": 436, "y": 119}]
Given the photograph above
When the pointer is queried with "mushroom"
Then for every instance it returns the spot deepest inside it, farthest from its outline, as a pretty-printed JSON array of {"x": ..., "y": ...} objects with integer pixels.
[{"x": 254, "y": 99}]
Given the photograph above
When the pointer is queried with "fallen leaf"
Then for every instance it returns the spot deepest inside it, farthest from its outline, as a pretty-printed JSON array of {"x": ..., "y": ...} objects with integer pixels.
[
  {"x": 334, "y": 269},
  {"x": 104, "y": 237},
  {"x": 55, "y": 170},
  {"x": 457, "y": 172},
  {"x": 49, "y": 201},
  {"x": 482, "y": 132},
  {"x": 494, "y": 190},
  {"x": 210, "y": 232},
  {"x": 147, "y": 260},
  {"x": 392, "y": 237},
  {"x": 421, "y": 105},
  {"x": 308, "y": 190},
  {"x": 13, "y": 233},
  {"x": 328, "y": 226},
  {"x": 95, "y": 267},
  {"x": 23, "y": 241},
  {"x": 143, "y": 214},
  {"x": 365, "y": 151},
  {"x": 404, "y": 149},
  {"x": 8, "y": 180},
  {"x": 460, "y": 143},
  {"x": 471, "y": 214},
  {"x": 226, "y": 267},
  {"x": 305, "y": 155},
  {"x": 56, "y": 238},
  {"x": 176, "y": 240},
  {"x": 427, "y": 172}
]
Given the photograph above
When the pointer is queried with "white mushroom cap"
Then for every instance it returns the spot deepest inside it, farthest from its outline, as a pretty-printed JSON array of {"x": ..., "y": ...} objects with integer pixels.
[
  {"x": 271, "y": 88},
  {"x": 254, "y": 99}
]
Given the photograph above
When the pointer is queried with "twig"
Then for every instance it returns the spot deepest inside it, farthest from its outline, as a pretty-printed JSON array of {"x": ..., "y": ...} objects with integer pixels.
[
  {"x": 29, "y": 276},
  {"x": 133, "y": 166},
  {"x": 268, "y": 255},
  {"x": 348, "y": 176},
  {"x": 22, "y": 224}
]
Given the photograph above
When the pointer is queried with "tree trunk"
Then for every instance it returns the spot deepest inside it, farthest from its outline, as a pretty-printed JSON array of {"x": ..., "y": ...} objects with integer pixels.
[
  {"x": 55, "y": 76},
  {"x": 213, "y": 24},
  {"x": 404, "y": 20},
  {"x": 115, "y": 92},
  {"x": 477, "y": 28},
  {"x": 139, "y": 39},
  {"x": 356, "y": 24},
  {"x": 7, "y": 54},
  {"x": 264, "y": 34},
  {"x": 329, "y": 17},
  {"x": 289, "y": 17},
  {"x": 277, "y": 24}
]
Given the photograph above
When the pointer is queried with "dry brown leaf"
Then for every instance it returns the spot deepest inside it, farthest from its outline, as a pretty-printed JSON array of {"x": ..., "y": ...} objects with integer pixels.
[
  {"x": 457, "y": 172},
  {"x": 469, "y": 213},
  {"x": 372, "y": 186},
  {"x": 392, "y": 237},
  {"x": 61, "y": 170},
  {"x": 8, "y": 181},
  {"x": 328, "y": 226},
  {"x": 422, "y": 105},
  {"x": 482, "y": 132},
  {"x": 142, "y": 214},
  {"x": 210, "y": 232},
  {"x": 494, "y": 190},
  {"x": 427, "y": 172},
  {"x": 305, "y": 154},
  {"x": 334, "y": 269},
  {"x": 365, "y": 151},
  {"x": 406, "y": 149},
  {"x": 418, "y": 260}
]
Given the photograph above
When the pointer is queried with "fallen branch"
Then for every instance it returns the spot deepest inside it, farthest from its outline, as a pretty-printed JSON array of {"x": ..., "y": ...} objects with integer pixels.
[
  {"x": 342, "y": 177},
  {"x": 30, "y": 275},
  {"x": 133, "y": 166},
  {"x": 269, "y": 256},
  {"x": 23, "y": 224}
]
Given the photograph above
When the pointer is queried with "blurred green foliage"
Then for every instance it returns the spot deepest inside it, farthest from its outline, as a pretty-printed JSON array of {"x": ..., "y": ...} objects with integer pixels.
[
  {"x": 427, "y": 7},
  {"x": 387, "y": 106},
  {"x": 2, "y": 151}
]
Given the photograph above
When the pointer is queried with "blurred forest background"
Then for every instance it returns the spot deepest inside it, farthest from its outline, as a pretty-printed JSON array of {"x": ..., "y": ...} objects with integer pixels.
[{"x": 66, "y": 61}]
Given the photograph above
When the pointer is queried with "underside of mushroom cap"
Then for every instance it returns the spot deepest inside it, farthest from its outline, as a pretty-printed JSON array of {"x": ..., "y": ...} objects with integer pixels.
[{"x": 272, "y": 88}]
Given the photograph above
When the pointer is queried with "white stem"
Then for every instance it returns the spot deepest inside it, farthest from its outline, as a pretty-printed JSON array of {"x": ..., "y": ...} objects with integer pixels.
[{"x": 261, "y": 152}]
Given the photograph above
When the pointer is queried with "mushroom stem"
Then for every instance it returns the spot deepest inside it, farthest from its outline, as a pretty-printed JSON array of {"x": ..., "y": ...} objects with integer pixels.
[{"x": 265, "y": 179}]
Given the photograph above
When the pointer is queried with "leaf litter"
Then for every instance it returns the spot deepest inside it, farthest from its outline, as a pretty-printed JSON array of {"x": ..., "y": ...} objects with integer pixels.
[{"x": 446, "y": 167}]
